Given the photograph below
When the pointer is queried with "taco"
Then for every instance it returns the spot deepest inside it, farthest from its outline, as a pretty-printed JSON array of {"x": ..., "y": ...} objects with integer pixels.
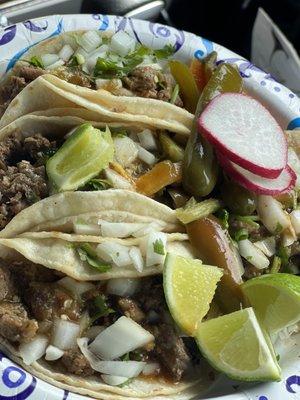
[
  {"x": 87, "y": 312},
  {"x": 92, "y": 72},
  {"x": 96, "y": 156}
]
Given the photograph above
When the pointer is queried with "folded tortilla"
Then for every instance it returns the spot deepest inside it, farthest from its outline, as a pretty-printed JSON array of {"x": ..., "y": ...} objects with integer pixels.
[{"x": 48, "y": 92}]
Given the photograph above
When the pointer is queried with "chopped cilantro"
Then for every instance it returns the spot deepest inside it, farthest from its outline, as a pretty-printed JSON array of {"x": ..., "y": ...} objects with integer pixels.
[
  {"x": 88, "y": 254},
  {"x": 241, "y": 234},
  {"x": 159, "y": 247},
  {"x": 248, "y": 219},
  {"x": 101, "y": 309},
  {"x": 223, "y": 216},
  {"x": 277, "y": 357},
  {"x": 278, "y": 228},
  {"x": 167, "y": 51},
  {"x": 97, "y": 184},
  {"x": 36, "y": 62},
  {"x": 284, "y": 254},
  {"x": 174, "y": 94},
  {"x": 126, "y": 357},
  {"x": 76, "y": 60}
]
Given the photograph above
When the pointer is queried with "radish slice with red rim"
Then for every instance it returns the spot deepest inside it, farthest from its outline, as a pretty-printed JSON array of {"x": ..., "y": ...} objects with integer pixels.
[
  {"x": 246, "y": 133},
  {"x": 285, "y": 181}
]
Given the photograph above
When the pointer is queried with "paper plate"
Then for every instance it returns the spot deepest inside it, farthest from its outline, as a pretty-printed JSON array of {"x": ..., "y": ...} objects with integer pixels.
[{"x": 15, "y": 40}]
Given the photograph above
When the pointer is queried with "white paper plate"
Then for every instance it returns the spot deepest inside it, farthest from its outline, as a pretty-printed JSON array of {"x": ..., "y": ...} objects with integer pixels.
[{"x": 15, "y": 383}]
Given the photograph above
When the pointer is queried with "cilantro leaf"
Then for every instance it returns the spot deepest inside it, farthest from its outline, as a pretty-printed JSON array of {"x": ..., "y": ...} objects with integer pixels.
[
  {"x": 101, "y": 309},
  {"x": 97, "y": 184},
  {"x": 167, "y": 51},
  {"x": 88, "y": 254},
  {"x": 223, "y": 216},
  {"x": 284, "y": 254},
  {"x": 159, "y": 247},
  {"x": 36, "y": 62},
  {"x": 126, "y": 357}
]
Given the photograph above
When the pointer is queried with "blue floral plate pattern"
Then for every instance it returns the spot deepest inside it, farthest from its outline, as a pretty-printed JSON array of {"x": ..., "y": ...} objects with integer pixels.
[{"x": 15, "y": 40}]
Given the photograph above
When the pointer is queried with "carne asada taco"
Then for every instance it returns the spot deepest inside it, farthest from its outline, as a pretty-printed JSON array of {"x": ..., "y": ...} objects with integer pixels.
[
  {"x": 116, "y": 77},
  {"x": 85, "y": 310},
  {"x": 42, "y": 155}
]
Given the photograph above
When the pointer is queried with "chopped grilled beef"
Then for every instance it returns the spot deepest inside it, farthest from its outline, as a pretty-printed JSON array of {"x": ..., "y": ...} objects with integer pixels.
[
  {"x": 170, "y": 350},
  {"x": 74, "y": 75},
  {"x": 20, "y": 77},
  {"x": 36, "y": 146},
  {"x": 25, "y": 272},
  {"x": 131, "y": 309},
  {"x": 151, "y": 83},
  {"x": 47, "y": 301},
  {"x": 75, "y": 363},
  {"x": 15, "y": 324},
  {"x": 7, "y": 288}
]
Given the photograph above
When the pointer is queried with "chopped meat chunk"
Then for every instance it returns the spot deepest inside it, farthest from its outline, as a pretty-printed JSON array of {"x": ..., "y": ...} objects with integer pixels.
[
  {"x": 170, "y": 350},
  {"x": 26, "y": 272},
  {"x": 46, "y": 301},
  {"x": 131, "y": 309},
  {"x": 75, "y": 363},
  {"x": 73, "y": 75},
  {"x": 7, "y": 289},
  {"x": 151, "y": 83},
  {"x": 20, "y": 186},
  {"x": 36, "y": 145},
  {"x": 15, "y": 324},
  {"x": 28, "y": 72}
]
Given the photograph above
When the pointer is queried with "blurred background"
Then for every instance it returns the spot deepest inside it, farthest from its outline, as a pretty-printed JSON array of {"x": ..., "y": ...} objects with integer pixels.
[{"x": 229, "y": 23}]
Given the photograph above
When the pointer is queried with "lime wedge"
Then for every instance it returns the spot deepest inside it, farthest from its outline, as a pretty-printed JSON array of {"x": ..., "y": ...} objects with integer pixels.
[
  {"x": 275, "y": 299},
  {"x": 83, "y": 155},
  {"x": 236, "y": 345},
  {"x": 189, "y": 288}
]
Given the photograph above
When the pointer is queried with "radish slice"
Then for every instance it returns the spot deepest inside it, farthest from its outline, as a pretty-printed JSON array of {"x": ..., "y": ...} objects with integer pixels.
[
  {"x": 284, "y": 182},
  {"x": 245, "y": 132}
]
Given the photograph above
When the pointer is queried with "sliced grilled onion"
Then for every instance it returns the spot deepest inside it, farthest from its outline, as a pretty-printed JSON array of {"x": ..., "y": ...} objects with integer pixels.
[
  {"x": 34, "y": 350},
  {"x": 252, "y": 254},
  {"x": 114, "y": 380},
  {"x": 136, "y": 257},
  {"x": 270, "y": 211},
  {"x": 267, "y": 246},
  {"x": 120, "y": 338},
  {"x": 76, "y": 287},
  {"x": 122, "y": 286},
  {"x": 115, "y": 252},
  {"x": 128, "y": 369},
  {"x": 119, "y": 229},
  {"x": 65, "y": 334},
  {"x": 156, "y": 241},
  {"x": 53, "y": 353}
]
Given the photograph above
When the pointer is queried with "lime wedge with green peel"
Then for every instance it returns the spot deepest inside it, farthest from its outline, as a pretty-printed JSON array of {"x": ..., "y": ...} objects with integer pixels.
[
  {"x": 83, "y": 155},
  {"x": 237, "y": 345},
  {"x": 275, "y": 299},
  {"x": 189, "y": 288}
]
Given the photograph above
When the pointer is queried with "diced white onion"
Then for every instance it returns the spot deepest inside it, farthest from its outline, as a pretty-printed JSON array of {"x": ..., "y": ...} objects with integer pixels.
[
  {"x": 151, "y": 369},
  {"x": 122, "y": 44},
  {"x": 128, "y": 369},
  {"x": 90, "y": 40},
  {"x": 153, "y": 226},
  {"x": 53, "y": 353},
  {"x": 34, "y": 350},
  {"x": 147, "y": 139},
  {"x": 115, "y": 252},
  {"x": 86, "y": 229},
  {"x": 288, "y": 236},
  {"x": 136, "y": 257},
  {"x": 145, "y": 155},
  {"x": 49, "y": 59},
  {"x": 94, "y": 331},
  {"x": 76, "y": 287},
  {"x": 80, "y": 51},
  {"x": 66, "y": 52},
  {"x": 252, "y": 254},
  {"x": 120, "y": 338},
  {"x": 92, "y": 58},
  {"x": 295, "y": 220},
  {"x": 114, "y": 380},
  {"x": 267, "y": 246},
  {"x": 57, "y": 64},
  {"x": 119, "y": 229},
  {"x": 100, "y": 82},
  {"x": 270, "y": 211},
  {"x": 152, "y": 257},
  {"x": 65, "y": 334},
  {"x": 116, "y": 180},
  {"x": 122, "y": 286},
  {"x": 126, "y": 150}
]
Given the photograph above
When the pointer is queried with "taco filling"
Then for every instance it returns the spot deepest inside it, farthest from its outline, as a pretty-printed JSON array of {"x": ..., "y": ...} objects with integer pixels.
[{"x": 77, "y": 326}]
